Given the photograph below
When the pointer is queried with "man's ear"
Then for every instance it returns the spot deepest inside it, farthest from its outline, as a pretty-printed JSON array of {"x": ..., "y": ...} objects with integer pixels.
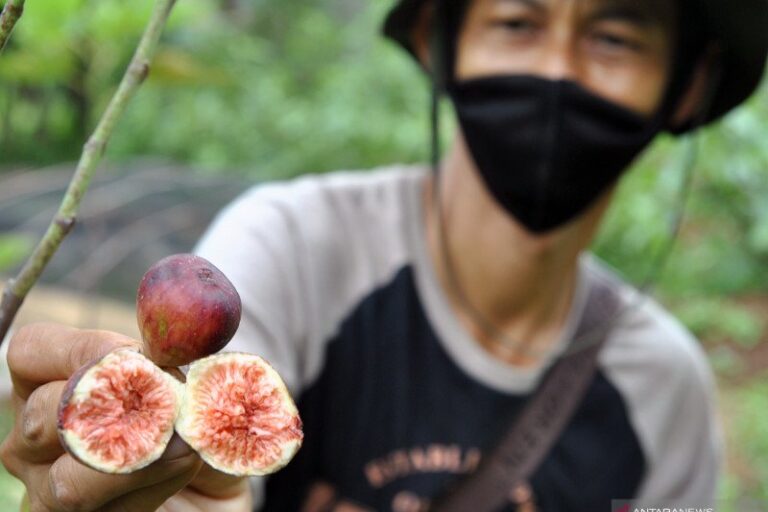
[
  {"x": 692, "y": 101},
  {"x": 421, "y": 35}
]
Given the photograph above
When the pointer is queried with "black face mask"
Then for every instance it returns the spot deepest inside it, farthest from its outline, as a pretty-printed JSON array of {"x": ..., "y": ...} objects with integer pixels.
[{"x": 547, "y": 149}]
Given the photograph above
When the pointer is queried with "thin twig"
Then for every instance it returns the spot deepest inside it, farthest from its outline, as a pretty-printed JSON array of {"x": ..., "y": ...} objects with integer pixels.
[
  {"x": 8, "y": 18},
  {"x": 17, "y": 288}
]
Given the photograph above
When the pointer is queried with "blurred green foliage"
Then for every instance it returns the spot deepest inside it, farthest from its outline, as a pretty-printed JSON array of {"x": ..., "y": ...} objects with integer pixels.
[
  {"x": 11, "y": 489},
  {"x": 294, "y": 89},
  {"x": 746, "y": 487},
  {"x": 13, "y": 249},
  {"x": 716, "y": 318},
  {"x": 721, "y": 247}
]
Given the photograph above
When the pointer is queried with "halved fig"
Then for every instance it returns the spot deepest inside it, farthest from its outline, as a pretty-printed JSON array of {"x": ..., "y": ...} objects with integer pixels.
[
  {"x": 117, "y": 414},
  {"x": 238, "y": 415}
]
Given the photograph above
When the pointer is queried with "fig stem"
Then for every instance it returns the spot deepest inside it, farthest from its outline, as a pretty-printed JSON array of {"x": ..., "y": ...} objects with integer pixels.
[
  {"x": 8, "y": 18},
  {"x": 17, "y": 289}
]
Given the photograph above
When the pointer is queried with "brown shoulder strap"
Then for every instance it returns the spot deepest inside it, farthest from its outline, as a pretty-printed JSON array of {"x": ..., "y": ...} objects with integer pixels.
[{"x": 535, "y": 429}]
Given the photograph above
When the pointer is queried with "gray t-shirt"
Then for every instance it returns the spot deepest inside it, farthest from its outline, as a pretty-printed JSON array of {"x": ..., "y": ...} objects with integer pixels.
[{"x": 398, "y": 399}]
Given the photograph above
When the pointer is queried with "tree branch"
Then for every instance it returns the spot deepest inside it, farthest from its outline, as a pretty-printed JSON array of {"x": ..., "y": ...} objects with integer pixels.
[
  {"x": 8, "y": 18},
  {"x": 16, "y": 289}
]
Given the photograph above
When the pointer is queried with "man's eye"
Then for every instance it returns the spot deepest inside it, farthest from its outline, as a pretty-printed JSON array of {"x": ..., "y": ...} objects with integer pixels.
[
  {"x": 614, "y": 41},
  {"x": 519, "y": 25}
]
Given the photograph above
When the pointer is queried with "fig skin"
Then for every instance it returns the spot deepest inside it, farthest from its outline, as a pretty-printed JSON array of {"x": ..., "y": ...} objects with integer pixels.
[
  {"x": 66, "y": 398},
  {"x": 78, "y": 447},
  {"x": 187, "y": 309}
]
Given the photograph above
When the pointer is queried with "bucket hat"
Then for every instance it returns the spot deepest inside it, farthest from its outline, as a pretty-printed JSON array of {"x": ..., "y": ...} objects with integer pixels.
[{"x": 740, "y": 27}]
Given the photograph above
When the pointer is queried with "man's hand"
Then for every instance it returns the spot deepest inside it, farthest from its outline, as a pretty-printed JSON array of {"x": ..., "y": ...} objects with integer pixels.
[{"x": 41, "y": 358}]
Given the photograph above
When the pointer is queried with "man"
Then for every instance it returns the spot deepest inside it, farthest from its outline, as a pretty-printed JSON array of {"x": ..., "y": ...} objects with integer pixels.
[{"x": 412, "y": 314}]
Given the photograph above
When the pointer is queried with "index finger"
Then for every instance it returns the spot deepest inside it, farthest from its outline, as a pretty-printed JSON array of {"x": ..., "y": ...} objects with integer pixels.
[{"x": 41, "y": 353}]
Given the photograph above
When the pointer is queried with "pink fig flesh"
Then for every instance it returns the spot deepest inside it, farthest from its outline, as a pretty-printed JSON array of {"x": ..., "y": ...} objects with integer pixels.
[
  {"x": 238, "y": 416},
  {"x": 187, "y": 309},
  {"x": 116, "y": 415}
]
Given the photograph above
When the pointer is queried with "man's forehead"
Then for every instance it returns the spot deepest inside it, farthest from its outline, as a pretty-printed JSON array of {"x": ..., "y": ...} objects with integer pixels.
[{"x": 640, "y": 11}]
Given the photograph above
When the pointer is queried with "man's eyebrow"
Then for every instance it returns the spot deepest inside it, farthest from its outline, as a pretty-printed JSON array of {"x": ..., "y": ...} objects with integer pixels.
[
  {"x": 533, "y": 4},
  {"x": 640, "y": 13}
]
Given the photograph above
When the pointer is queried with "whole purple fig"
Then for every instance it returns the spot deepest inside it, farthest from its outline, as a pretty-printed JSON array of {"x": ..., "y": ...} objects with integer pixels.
[{"x": 187, "y": 309}]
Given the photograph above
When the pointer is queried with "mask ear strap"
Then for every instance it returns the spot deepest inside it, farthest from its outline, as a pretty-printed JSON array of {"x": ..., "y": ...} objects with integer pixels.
[
  {"x": 439, "y": 79},
  {"x": 662, "y": 255},
  {"x": 447, "y": 18},
  {"x": 692, "y": 152}
]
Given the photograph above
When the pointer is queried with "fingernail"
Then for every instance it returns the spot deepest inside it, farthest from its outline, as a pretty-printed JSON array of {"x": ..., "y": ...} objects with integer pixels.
[{"x": 176, "y": 449}]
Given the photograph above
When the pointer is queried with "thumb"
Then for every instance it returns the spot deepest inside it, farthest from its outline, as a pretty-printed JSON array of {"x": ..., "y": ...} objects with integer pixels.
[
  {"x": 153, "y": 497},
  {"x": 215, "y": 484}
]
